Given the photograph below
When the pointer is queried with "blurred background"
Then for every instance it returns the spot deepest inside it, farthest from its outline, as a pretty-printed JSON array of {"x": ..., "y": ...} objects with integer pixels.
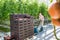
[{"x": 31, "y": 7}]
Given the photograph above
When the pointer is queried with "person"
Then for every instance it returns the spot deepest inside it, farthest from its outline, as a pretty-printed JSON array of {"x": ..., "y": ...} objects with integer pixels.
[{"x": 41, "y": 18}]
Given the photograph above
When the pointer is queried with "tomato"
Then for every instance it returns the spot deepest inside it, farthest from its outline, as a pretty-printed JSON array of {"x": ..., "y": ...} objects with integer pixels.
[{"x": 54, "y": 12}]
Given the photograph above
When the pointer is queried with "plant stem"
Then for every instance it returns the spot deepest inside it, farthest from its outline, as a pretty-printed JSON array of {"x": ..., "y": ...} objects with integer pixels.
[{"x": 55, "y": 33}]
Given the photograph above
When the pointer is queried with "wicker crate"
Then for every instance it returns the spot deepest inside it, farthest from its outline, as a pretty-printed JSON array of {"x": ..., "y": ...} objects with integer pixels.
[{"x": 21, "y": 26}]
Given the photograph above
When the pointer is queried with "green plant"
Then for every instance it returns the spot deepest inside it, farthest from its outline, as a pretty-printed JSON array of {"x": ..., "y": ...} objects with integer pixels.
[
  {"x": 51, "y": 1},
  {"x": 32, "y": 8},
  {"x": 4, "y": 29},
  {"x": 44, "y": 10}
]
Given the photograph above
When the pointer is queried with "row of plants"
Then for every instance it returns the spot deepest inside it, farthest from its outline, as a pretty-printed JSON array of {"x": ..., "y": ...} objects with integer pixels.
[
  {"x": 4, "y": 29},
  {"x": 8, "y": 7}
]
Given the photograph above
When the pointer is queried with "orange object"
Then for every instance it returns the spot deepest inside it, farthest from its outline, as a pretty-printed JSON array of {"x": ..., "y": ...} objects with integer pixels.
[
  {"x": 56, "y": 22},
  {"x": 54, "y": 12}
]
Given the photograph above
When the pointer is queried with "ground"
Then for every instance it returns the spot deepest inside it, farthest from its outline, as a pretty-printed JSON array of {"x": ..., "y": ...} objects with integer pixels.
[{"x": 46, "y": 34}]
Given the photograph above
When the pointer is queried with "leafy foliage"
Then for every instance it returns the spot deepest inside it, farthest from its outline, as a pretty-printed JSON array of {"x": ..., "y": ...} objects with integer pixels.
[
  {"x": 44, "y": 10},
  {"x": 8, "y": 7},
  {"x": 4, "y": 29},
  {"x": 51, "y": 1}
]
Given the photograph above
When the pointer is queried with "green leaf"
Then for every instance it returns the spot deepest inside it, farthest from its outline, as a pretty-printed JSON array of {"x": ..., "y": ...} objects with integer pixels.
[{"x": 51, "y": 1}]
